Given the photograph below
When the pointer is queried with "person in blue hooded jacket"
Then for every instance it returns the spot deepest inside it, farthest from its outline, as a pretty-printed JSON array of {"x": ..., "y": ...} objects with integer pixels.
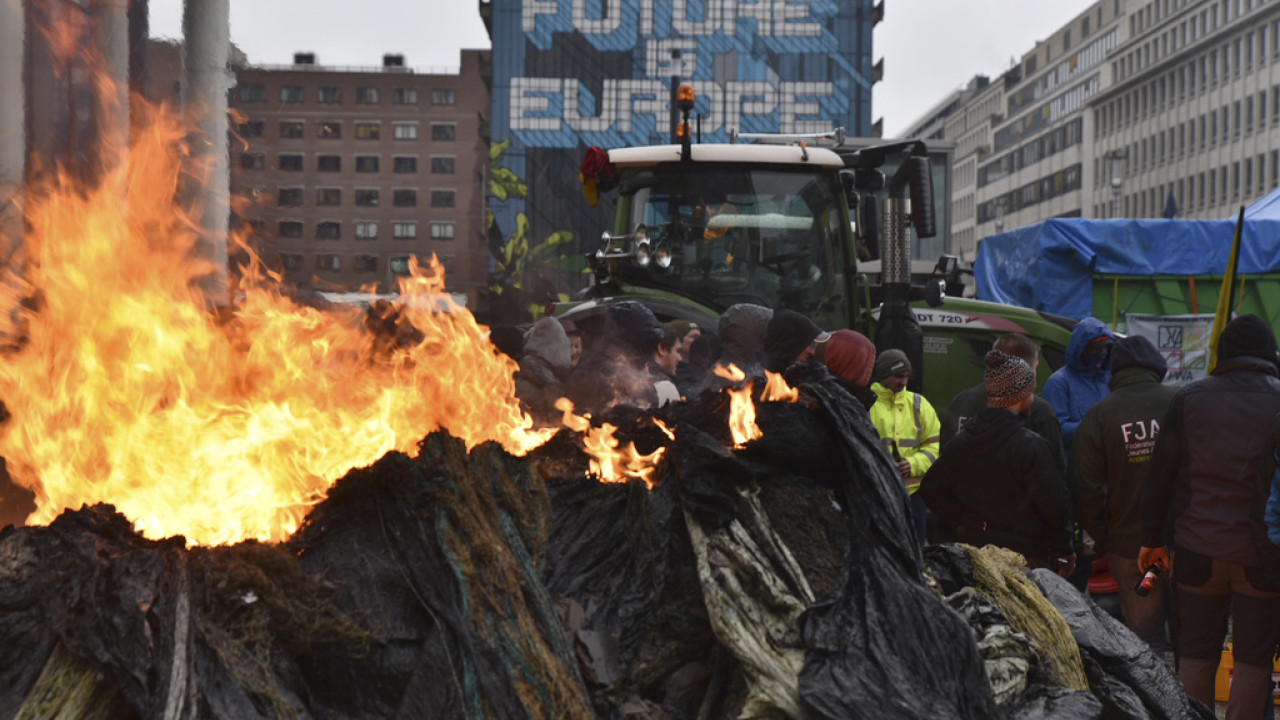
[{"x": 1077, "y": 386}]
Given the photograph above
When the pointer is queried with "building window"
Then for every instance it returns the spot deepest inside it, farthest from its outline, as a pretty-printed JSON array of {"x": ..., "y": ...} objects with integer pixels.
[
  {"x": 444, "y": 96},
  {"x": 329, "y": 95},
  {"x": 405, "y": 96},
  {"x": 289, "y": 197},
  {"x": 289, "y": 162},
  {"x": 442, "y": 165},
  {"x": 252, "y": 92},
  {"x": 368, "y": 130},
  {"x": 365, "y": 263},
  {"x": 328, "y": 261},
  {"x": 399, "y": 264},
  {"x": 328, "y": 196},
  {"x": 291, "y": 129},
  {"x": 405, "y": 131},
  {"x": 367, "y": 96},
  {"x": 292, "y": 94},
  {"x": 404, "y": 230},
  {"x": 366, "y": 230},
  {"x": 442, "y": 198},
  {"x": 253, "y": 129},
  {"x": 405, "y": 164},
  {"x": 442, "y": 231},
  {"x": 329, "y": 230},
  {"x": 329, "y": 163},
  {"x": 330, "y": 129},
  {"x": 291, "y": 261},
  {"x": 289, "y": 229},
  {"x": 367, "y": 197},
  {"x": 253, "y": 161},
  {"x": 367, "y": 163},
  {"x": 444, "y": 132},
  {"x": 404, "y": 197}
]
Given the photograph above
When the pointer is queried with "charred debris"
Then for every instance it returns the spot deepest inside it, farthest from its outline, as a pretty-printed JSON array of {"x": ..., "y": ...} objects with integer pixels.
[{"x": 778, "y": 580}]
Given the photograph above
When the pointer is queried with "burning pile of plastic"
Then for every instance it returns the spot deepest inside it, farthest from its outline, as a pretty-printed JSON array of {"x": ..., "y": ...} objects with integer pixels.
[{"x": 778, "y": 579}]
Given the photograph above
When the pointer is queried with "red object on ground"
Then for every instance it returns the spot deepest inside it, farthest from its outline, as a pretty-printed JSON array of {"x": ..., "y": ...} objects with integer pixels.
[{"x": 1102, "y": 582}]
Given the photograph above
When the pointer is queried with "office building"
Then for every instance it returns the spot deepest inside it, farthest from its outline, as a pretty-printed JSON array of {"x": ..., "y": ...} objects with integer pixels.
[
  {"x": 347, "y": 172},
  {"x": 1136, "y": 108},
  {"x": 1190, "y": 123}
]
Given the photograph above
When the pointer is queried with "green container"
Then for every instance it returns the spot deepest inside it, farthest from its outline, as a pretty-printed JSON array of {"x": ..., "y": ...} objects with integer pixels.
[{"x": 1114, "y": 296}]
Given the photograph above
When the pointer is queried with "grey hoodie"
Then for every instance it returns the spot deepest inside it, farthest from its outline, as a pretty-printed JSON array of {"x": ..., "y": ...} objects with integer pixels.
[{"x": 543, "y": 367}]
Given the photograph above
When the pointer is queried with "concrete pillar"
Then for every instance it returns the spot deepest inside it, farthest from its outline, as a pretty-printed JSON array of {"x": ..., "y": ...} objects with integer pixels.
[
  {"x": 13, "y": 142},
  {"x": 111, "y": 39},
  {"x": 206, "y": 30}
]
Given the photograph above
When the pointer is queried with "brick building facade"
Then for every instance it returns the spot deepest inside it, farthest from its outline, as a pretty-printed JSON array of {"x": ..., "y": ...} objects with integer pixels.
[{"x": 343, "y": 174}]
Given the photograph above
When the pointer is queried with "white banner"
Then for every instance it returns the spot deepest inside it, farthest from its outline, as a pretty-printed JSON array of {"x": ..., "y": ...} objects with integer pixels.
[{"x": 1183, "y": 340}]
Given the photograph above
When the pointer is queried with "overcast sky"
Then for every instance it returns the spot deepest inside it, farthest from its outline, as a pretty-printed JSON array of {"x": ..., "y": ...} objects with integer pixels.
[{"x": 930, "y": 47}]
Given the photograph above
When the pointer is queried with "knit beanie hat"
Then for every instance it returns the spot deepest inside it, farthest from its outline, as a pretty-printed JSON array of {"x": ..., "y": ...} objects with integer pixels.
[
  {"x": 1247, "y": 335},
  {"x": 742, "y": 329},
  {"x": 1137, "y": 351},
  {"x": 890, "y": 362},
  {"x": 635, "y": 325},
  {"x": 851, "y": 356},
  {"x": 786, "y": 336},
  {"x": 1009, "y": 379},
  {"x": 681, "y": 327}
]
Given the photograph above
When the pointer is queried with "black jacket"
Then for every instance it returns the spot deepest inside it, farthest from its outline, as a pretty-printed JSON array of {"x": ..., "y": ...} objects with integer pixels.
[
  {"x": 1110, "y": 458},
  {"x": 1041, "y": 420},
  {"x": 1199, "y": 491},
  {"x": 997, "y": 483}
]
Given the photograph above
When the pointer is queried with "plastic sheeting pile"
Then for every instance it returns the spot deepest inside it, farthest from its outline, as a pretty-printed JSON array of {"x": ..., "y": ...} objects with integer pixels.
[{"x": 781, "y": 580}]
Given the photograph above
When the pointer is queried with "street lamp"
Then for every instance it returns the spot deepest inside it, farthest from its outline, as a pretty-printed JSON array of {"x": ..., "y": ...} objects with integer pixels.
[{"x": 1116, "y": 161}]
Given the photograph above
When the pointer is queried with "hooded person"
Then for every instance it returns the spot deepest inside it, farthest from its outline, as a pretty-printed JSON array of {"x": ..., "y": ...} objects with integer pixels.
[
  {"x": 1198, "y": 501},
  {"x": 615, "y": 370},
  {"x": 790, "y": 338},
  {"x": 544, "y": 366},
  {"x": 1109, "y": 463},
  {"x": 851, "y": 356},
  {"x": 575, "y": 340},
  {"x": 1084, "y": 379},
  {"x": 694, "y": 376},
  {"x": 907, "y": 424},
  {"x": 741, "y": 330},
  {"x": 997, "y": 483}
]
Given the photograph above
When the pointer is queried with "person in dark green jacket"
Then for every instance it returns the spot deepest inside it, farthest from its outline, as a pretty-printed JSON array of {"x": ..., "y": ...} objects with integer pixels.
[{"x": 1109, "y": 460}]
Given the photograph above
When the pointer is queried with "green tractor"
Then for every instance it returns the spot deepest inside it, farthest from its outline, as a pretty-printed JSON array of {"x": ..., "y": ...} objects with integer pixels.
[{"x": 700, "y": 227}]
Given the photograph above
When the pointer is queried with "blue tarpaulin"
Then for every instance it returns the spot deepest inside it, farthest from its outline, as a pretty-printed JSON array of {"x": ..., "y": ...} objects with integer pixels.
[
  {"x": 1049, "y": 266},
  {"x": 1265, "y": 208}
]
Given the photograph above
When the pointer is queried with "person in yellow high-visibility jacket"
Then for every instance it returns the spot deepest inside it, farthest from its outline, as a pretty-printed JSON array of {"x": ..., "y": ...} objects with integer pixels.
[{"x": 908, "y": 426}]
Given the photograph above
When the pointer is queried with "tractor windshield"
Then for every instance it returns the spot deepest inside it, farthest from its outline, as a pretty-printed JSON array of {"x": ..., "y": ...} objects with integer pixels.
[{"x": 737, "y": 233}]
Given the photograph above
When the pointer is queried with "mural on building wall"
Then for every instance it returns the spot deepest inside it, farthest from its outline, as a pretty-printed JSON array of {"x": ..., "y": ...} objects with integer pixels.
[
  {"x": 725, "y": 53},
  {"x": 569, "y": 74}
]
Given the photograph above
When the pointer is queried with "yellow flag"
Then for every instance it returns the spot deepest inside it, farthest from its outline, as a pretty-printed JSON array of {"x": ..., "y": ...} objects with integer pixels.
[{"x": 1223, "y": 314}]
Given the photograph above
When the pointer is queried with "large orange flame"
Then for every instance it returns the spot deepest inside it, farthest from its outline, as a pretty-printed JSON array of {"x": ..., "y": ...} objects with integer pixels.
[
  {"x": 127, "y": 390},
  {"x": 776, "y": 389},
  {"x": 742, "y": 410},
  {"x": 607, "y": 462}
]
